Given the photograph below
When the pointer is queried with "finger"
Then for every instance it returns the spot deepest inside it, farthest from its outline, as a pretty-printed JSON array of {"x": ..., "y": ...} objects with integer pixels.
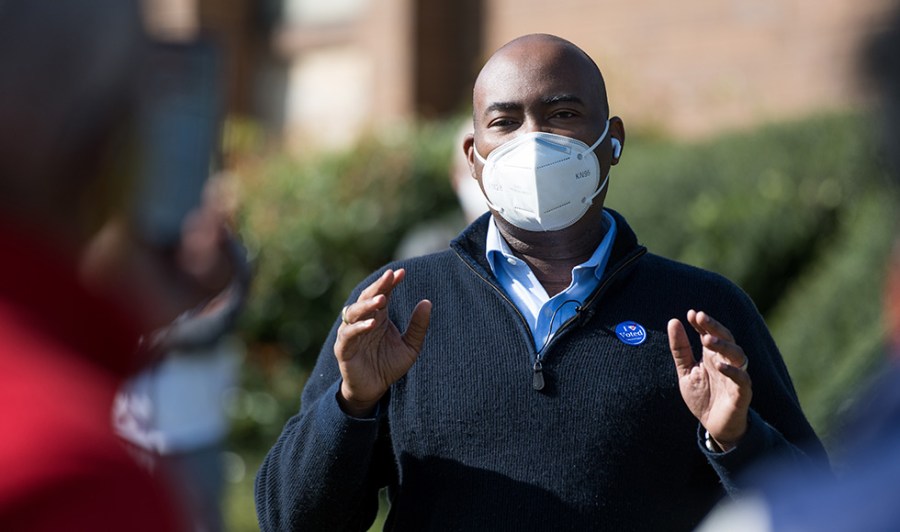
[
  {"x": 739, "y": 376},
  {"x": 390, "y": 280},
  {"x": 418, "y": 325},
  {"x": 699, "y": 326},
  {"x": 399, "y": 275},
  {"x": 729, "y": 351},
  {"x": 717, "y": 338},
  {"x": 712, "y": 326},
  {"x": 680, "y": 347},
  {"x": 383, "y": 284},
  {"x": 363, "y": 309},
  {"x": 350, "y": 331},
  {"x": 396, "y": 278}
]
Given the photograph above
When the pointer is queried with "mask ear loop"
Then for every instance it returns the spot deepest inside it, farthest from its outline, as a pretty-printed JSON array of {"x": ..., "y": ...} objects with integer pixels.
[
  {"x": 590, "y": 199},
  {"x": 478, "y": 155},
  {"x": 484, "y": 162},
  {"x": 599, "y": 140},
  {"x": 500, "y": 210}
]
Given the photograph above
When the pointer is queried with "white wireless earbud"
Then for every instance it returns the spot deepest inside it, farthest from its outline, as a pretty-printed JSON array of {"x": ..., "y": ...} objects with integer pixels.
[{"x": 616, "y": 147}]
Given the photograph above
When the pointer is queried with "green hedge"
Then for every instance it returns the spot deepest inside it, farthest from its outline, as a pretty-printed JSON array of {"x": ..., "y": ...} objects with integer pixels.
[
  {"x": 798, "y": 215},
  {"x": 314, "y": 228},
  {"x": 794, "y": 213}
]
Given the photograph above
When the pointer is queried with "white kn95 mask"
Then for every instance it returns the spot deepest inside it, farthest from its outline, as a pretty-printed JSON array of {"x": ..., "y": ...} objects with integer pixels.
[{"x": 541, "y": 181}]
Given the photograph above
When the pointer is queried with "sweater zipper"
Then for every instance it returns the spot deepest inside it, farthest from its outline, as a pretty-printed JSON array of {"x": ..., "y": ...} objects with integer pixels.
[
  {"x": 537, "y": 377},
  {"x": 538, "y": 368},
  {"x": 594, "y": 296}
]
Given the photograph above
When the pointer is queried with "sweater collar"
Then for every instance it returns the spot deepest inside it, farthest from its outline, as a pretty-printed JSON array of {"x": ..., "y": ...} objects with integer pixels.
[{"x": 472, "y": 242}]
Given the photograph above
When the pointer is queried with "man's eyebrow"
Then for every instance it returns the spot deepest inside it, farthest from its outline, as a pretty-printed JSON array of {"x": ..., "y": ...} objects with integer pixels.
[
  {"x": 549, "y": 100},
  {"x": 562, "y": 98},
  {"x": 502, "y": 106}
]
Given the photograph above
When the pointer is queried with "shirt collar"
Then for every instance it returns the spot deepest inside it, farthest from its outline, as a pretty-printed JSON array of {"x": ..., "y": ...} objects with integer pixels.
[{"x": 496, "y": 248}]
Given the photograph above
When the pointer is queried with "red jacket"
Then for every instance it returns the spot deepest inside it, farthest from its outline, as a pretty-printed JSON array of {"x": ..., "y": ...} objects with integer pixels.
[{"x": 63, "y": 354}]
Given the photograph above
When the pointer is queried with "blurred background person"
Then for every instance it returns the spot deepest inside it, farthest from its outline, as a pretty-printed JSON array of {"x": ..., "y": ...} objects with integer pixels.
[
  {"x": 435, "y": 235},
  {"x": 173, "y": 411}
]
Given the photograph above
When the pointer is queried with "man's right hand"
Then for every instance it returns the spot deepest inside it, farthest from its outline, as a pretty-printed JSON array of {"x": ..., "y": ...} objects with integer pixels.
[{"x": 371, "y": 352}]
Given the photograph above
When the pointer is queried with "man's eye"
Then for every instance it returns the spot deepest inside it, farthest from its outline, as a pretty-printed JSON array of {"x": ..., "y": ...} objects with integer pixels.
[
  {"x": 563, "y": 114},
  {"x": 502, "y": 122}
]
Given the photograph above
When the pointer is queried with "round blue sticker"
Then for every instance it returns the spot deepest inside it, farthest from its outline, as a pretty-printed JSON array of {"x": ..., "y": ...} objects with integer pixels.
[{"x": 631, "y": 333}]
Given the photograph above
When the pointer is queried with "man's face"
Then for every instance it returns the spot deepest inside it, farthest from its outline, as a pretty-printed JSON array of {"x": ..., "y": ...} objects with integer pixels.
[{"x": 539, "y": 85}]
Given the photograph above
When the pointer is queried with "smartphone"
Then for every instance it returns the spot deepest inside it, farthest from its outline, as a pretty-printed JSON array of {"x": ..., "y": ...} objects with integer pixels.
[{"x": 178, "y": 128}]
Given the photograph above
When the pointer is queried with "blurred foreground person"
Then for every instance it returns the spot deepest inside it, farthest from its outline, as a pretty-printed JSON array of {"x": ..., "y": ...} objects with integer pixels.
[
  {"x": 864, "y": 496},
  {"x": 68, "y": 72}
]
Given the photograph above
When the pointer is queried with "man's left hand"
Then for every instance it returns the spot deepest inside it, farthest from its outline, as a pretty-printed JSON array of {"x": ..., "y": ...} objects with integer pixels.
[{"x": 717, "y": 388}]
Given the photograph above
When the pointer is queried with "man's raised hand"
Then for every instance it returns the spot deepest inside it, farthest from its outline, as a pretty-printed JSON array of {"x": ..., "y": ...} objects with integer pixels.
[
  {"x": 370, "y": 350},
  {"x": 717, "y": 388}
]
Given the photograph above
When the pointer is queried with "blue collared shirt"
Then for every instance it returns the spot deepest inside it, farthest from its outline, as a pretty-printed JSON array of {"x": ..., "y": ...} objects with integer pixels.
[{"x": 545, "y": 314}]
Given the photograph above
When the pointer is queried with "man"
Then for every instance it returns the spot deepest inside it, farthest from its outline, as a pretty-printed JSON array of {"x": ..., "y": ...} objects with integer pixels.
[
  {"x": 863, "y": 497},
  {"x": 534, "y": 388},
  {"x": 68, "y": 72}
]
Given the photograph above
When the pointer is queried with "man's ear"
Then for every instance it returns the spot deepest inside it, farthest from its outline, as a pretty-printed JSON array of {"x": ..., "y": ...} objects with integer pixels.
[
  {"x": 617, "y": 138},
  {"x": 468, "y": 147}
]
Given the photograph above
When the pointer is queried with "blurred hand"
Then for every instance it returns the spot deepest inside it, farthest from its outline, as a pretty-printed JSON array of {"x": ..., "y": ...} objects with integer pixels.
[
  {"x": 371, "y": 351},
  {"x": 716, "y": 389},
  {"x": 159, "y": 284},
  {"x": 201, "y": 255}
]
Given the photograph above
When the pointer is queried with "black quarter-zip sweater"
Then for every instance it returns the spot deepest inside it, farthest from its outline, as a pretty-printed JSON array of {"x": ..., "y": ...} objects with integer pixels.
[{"x": 465, "y": 442}]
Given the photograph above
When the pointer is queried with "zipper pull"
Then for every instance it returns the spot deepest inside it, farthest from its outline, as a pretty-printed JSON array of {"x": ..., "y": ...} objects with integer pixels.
[{"x": 537, "y": 381}]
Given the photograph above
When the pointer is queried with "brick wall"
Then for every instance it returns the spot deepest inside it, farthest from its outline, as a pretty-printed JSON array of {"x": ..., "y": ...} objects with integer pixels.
[
  {"x": 688, "y": 68},
  {"x": 697, "y": 66}
]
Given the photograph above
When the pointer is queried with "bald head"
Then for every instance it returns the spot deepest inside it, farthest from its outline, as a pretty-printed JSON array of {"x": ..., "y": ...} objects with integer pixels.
[
  {"x": 544, "y": 84},
  {"x": 542, "y": 55},
  {"x": 540, "y": 83}
]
